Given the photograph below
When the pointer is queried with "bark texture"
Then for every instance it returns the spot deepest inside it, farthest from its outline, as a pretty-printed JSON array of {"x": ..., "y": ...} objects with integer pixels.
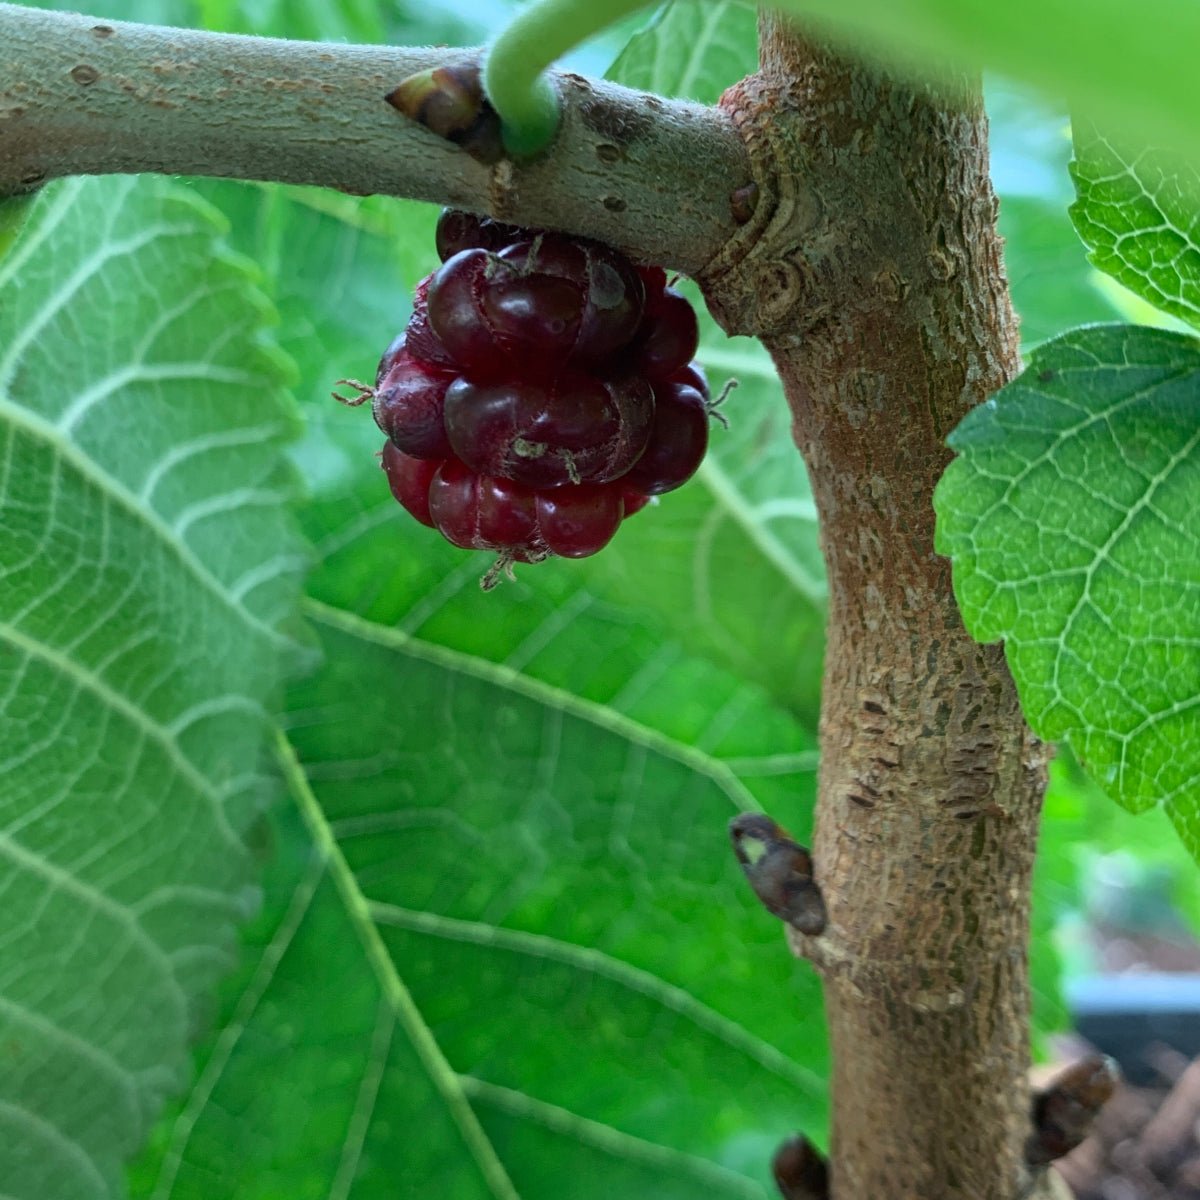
[
  {"x": 80, "y": 96},
  {"x": 873, "y": 272}
]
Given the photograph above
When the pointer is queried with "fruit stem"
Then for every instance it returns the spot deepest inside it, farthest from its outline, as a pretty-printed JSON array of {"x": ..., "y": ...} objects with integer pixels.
[
  {"x": 501, "y": 569},
  {"x": 513, "y": 76},
  {"x": 713, "y": 406},
  {"x": 363, "y": 393}
]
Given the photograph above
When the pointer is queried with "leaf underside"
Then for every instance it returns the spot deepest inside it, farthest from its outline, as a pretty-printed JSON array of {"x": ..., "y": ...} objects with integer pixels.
[
  {"x": 141, "y": 645},
  {"x": 527, "y": 942}
]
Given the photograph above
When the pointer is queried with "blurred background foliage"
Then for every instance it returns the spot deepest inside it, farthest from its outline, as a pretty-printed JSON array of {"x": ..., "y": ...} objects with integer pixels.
[{"x": 514, "y": 933}]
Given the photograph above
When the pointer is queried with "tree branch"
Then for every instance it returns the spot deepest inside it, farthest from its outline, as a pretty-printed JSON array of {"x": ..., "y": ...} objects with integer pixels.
[{"x": 81, "y": 96}]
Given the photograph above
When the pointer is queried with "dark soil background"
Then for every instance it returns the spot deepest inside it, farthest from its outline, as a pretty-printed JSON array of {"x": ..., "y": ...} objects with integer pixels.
[
  {"x": 1146, "y": 1142},
  {"x": 1145, "y": 1145}
]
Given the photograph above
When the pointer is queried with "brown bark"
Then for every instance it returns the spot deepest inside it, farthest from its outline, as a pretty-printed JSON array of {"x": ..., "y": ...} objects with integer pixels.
[{"x": 873, "y": 272}]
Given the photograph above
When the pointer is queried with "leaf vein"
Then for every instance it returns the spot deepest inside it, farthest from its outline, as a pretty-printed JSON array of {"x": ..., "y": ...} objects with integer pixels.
[{"x": 596, "y": 962}]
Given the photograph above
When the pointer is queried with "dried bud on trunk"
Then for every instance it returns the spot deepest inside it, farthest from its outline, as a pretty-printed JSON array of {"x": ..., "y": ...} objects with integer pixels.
[
  {"x": 800, "y": 1171},
  {"x": 1064, "y": 1112},
  {"x": 779, "y": 870}
]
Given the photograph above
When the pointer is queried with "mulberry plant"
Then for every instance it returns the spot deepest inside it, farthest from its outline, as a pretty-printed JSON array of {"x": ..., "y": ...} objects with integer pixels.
[{"x": 503, "y": 949}]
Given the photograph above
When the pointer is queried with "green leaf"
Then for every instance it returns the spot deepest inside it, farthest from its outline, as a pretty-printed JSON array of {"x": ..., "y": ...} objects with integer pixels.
[
  {"x": 1070, "y": 516},
  {"x": 1139, "y": 214},
  {"x": 1053, "y": 287},
  {"x": 691, "y": 49},
  {"x": 141, "y": 645},
  {"x": 1131, "y": 68},
  {"x": 532, "y": 944}
]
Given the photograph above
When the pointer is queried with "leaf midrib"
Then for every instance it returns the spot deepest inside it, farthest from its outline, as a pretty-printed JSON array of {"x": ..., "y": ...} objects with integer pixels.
[{"x": 420, "y": 1036}]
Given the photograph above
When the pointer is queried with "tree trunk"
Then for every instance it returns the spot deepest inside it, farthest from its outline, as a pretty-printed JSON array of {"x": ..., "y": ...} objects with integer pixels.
[{"x": 873, "y": 272}]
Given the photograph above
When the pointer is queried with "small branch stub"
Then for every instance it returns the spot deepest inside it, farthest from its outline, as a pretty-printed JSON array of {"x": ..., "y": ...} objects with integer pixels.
[
  {"x": 779, "y": 870},
  {"x": 800, "y": 1171},
  {"x": 1065, "y": 1111}
]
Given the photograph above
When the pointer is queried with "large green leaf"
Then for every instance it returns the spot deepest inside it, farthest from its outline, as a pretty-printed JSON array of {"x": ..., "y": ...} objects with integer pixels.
[
  {"x": 1139, "y": 214},
  {"x": 529, "y": 942},
  {"x": 147, "y": 568},
  {"x": 1130, "y": 67},
  {"x": 1071, "y": 518},
  {"x": 691, "y": 49},
  {"x": 341, "y": 302}
]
